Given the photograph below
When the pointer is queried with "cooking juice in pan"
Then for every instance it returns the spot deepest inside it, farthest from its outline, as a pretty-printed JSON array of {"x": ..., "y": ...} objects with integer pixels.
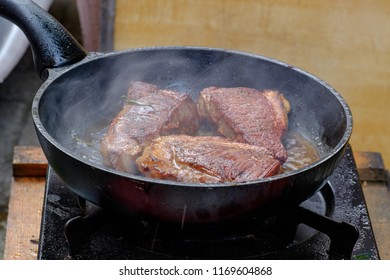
[{"x": 301, "y": 151}]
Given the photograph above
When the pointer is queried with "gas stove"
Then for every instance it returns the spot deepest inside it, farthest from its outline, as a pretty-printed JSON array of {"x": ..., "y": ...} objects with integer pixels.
[{"x": 332, "y": 224}]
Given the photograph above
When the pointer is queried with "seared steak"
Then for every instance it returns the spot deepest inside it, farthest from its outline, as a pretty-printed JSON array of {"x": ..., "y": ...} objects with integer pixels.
[
  {"x": 148, "y": 112},
  {"x": 205, "y": 159},
  {"x": 248, "y": 115}
]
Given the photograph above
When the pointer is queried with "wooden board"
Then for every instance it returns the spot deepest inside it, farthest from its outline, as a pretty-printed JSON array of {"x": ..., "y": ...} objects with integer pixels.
[
  {"x": 345, "y": 43},
  {"x": 29, "y": 161},
  {"x": 371, "y": 167},
  {"x": 378, "y": 203},
  {"x": 24, "y": 218},
  {"x": 25, "y": 204}
]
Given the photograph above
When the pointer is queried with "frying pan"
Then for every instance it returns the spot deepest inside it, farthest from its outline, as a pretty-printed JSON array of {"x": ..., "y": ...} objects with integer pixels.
[{"x": 82, "y": 92}]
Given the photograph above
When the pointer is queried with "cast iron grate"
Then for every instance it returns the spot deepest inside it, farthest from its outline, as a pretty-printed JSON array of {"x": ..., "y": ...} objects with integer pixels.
[{"x": 333, "y": 224}]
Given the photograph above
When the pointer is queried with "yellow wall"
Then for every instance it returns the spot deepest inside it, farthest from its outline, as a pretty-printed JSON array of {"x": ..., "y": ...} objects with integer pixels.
[{"x": 344, "y": 42}]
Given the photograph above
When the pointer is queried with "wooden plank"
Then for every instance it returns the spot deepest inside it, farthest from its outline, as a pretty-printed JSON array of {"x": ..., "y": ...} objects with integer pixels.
[
  {"x": 371, "y": 167},
  {"x": 378, "y": 203},
  {"x": 25, "y": 203},
  {"x": 374, "y": 180},
  {"x": 24, "y": 218},
  {"x": 29, "y": 161}
]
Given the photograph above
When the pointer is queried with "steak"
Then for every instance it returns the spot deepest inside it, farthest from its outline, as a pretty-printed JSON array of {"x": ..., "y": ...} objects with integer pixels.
[
  {"x": 148, "y": 112},
  {"x": 248, "y": 115},
  {"x": 205, "y": 159}
]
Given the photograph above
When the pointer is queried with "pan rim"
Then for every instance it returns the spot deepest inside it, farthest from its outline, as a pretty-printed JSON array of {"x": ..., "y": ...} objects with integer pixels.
[{"x": 58, "y": 72}]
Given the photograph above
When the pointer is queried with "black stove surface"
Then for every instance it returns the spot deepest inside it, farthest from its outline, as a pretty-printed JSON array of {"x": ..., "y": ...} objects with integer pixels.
[{"x": 333, "y": 224}]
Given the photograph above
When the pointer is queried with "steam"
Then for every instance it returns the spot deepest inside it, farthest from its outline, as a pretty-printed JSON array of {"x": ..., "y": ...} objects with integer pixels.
[{"x": 83, "y": 101}]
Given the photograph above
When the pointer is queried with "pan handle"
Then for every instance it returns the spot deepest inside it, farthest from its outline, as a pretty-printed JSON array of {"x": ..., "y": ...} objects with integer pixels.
[{"x": 52, "y": 45}]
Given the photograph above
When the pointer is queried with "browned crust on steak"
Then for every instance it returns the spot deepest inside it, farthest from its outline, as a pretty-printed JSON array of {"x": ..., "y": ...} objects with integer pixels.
[
  {"x": 149, "y": 112},
  {"x": 205, "y": 159},
  {"x": 248, "y": 115}
]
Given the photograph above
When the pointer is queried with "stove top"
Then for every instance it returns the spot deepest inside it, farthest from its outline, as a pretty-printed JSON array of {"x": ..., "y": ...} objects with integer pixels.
[{"x": 333, "y": 224}]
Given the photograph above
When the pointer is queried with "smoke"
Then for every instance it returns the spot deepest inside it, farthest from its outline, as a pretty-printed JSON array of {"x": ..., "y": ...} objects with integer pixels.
[{"x": 79, "y": 105}]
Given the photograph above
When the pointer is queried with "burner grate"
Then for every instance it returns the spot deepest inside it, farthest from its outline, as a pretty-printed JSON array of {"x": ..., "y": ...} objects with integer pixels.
[{"x": 333, "y": 224}]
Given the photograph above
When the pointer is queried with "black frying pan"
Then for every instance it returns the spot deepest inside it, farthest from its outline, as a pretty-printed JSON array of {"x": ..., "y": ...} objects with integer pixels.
[{"x": 82, "y": 94}]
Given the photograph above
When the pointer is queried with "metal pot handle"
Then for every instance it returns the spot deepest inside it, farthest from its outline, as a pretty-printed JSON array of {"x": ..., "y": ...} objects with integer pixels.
[{"x": 52, "y": 45}]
